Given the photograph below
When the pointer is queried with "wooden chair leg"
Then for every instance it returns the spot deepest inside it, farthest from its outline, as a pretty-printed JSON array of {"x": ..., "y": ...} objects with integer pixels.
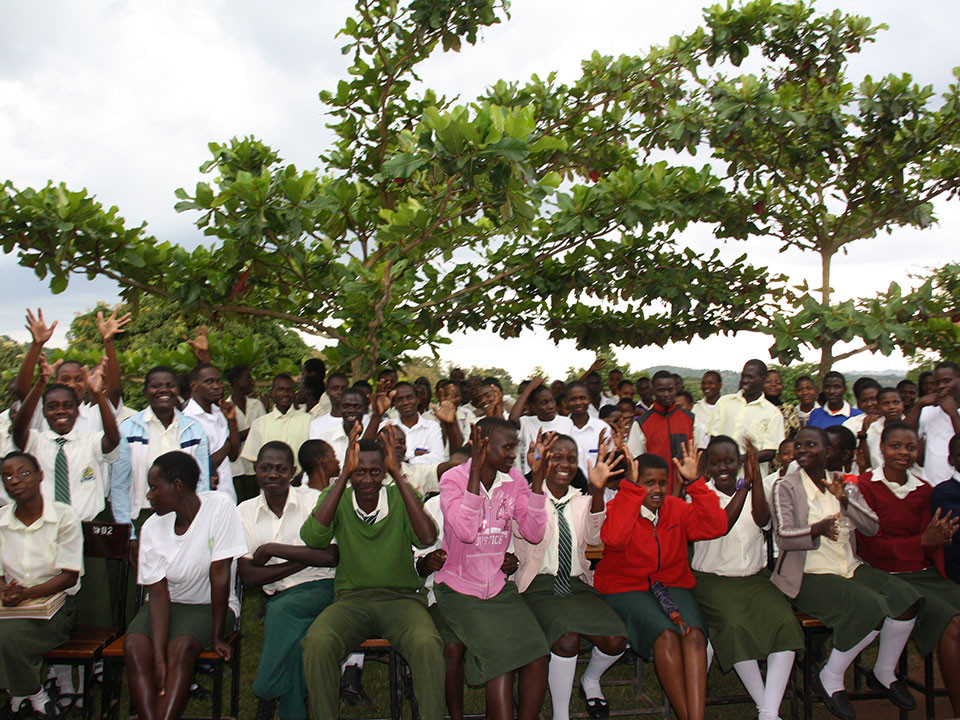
[
  {"x": 217, "y": 690},
  {"x": 235, "y": 683}
]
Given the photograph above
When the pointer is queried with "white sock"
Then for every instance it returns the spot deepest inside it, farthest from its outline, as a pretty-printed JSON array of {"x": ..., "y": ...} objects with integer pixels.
[
  {"x": 836, "y": 667},
  {"x": 710, "y": 654},
  {"x": 16, "y": 701},
  {"x": 749, "y": 673},
  {"x": 40, "y": 699},
  {"x": 353, "y": 659},
  {"x": 560, "y": 681},
  {"x": 598, "y": 665},
  {"x": 64, "y": 675},
  {"x": 893, "y": 639},
  {"x": 779, "y": 665}
]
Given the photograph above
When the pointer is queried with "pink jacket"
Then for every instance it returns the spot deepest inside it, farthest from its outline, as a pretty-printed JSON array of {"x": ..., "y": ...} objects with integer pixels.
[
  {"x": 477, "y": 529},
  {"x": 531, "y": 555}
]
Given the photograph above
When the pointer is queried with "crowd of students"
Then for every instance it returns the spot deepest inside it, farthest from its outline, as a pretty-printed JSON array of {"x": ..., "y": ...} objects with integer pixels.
[{"x": 459, "y": 530}]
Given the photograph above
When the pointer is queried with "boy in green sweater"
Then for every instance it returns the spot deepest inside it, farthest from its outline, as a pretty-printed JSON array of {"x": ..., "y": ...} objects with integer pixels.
[{"x": 377, "y": 590}]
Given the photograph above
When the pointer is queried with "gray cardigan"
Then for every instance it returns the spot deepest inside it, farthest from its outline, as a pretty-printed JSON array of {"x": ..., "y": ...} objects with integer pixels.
[{"x": 792, "y": 527}]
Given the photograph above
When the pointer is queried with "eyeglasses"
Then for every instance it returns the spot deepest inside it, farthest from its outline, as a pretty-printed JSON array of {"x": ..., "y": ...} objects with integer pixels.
[{"x": 23, "y": 475}]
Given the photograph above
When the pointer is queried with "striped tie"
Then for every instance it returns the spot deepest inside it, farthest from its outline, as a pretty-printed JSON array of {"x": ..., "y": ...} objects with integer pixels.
[
  {"x": 61, "y": 475},
  {"x": 371, "y": 518},
  {"x": 561, "y": 586}
]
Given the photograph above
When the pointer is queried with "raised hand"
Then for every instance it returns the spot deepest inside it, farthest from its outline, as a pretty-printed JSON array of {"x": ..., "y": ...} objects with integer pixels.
[
  {"x": 94, "y": 379},
  {"x": 390, "y": 459},
  {"x": 607, "y": 462},
  {"x": 383, "y": 398},
  {"x": 38, "y": 328},
  {"x": 751, "y": 468},
  {"x": 828, "y": 527},
  {"x": 835, "y": 485},
  {"x": 940, "y": 530},
  {"x": 228, "y": 409},
  {"x": 597, "y": 364},
  {"x": 46, "y": 370},
  {"x": 688, "y": 463},
  {"x": 447, "y": 411},
  {"x": 479, "y": 443},
  {"x": 537, "y": 452},
  {"x": 352, "y": 457},
  {"x": 112, "y": 325},
  {"x": 201, "y": 344}
]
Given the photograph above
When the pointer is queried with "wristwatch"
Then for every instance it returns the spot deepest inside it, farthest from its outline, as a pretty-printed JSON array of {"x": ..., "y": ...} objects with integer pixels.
[{"x": 742, "y": 483}]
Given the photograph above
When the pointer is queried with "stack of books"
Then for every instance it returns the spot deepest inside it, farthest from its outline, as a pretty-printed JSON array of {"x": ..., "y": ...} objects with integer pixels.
[{"x": 36, "y": 609}]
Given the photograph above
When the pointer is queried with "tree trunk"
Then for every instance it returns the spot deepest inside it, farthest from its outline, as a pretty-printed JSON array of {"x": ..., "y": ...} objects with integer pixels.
[{"x": 826, "y": 345}]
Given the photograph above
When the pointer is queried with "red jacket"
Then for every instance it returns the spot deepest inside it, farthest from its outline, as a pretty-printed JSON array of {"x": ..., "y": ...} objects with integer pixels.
[
  {"x": 665, "y": 430},
  {"x": 635, "y": 553},
  {"x": 896, "y": 546}
]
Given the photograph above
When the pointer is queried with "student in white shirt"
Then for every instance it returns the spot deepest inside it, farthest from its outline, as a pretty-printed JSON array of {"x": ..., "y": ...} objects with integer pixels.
[
  {"x": 186, "y": 562},
  {"x": 284, "y": 423},
  {"x": 425, "y": 479},
  {"x": 218, "y": 419},
  {"x": 710, "y": 385},
  {"x": 806, "y": 392},
  {"x": 545, "y": 418},
  {"x": 352, "y": 406},
  {"x": 450, "y": 397},
  {"x": 336, "y": 384},
  {"x": 297, "y": 580},
  {"x": 888, "y": 409},
  {"x": 937, "y": 419},
  {"x": 749, "y": 619},
  {"x": 41, "y": 554},
  {"x": 424, "y": 437},
  {"x": 587, "y": 431},
  {"x": 490, "y": 400},
  {"x": 248, "y": 408}
]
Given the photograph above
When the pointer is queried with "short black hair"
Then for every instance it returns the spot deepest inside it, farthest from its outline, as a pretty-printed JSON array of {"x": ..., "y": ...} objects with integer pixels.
[
  {"x": 354, "y": 390},
  {"x": 906, "y": 382},
  {"x": 714, "y": 373},
  {"x": 366, "y": 445},
  {"x": 834, "y": 375},
  {"x": 864, "y": 383},
  {"x": 236, "y": 372},
  {"x": 662, "y": 375},
  {"x": 14, "y": 454},
  {"x": 490, "y": 380},
  {"x": 156, "y": 370},
  {"x": 195, "y": 373},
  {"x": 718, "y": 440},
  {"x": 489, "y": 425},
  {"x": 311, "y": 452},
  {"x": 386, "y": 371},
  {"x": 363, "y": 386},
  {"x": 314, "y": 366},
  {"x": 593, "y": 373},
  {"x": 575, "y": 384},
  {"x": 340, "y": 375},
  {"x": 801, "y": 379},
  {"x": 887, "y": 391},
  {"x": 756, "y": 362},
  {"x": 947, "y": 365},
  {"x": 649, "y": 461},
  {"x": 463, "y": 450},
  {"x": 623, "y": 383},
  {"x": 541, "y": 389},
  {"x": 608, "y": 410},
  {"x": 848, "y": 441},
  {"x": 60, "y": 386},
  {"x": 180, "y": 466},
  {"x": 686, "y": 394},
  {"x": 893, "y": 427},
  {"x": 280, "y": 376},
  {"x": 824, "y": 438},
  {"x": 278, "y": 445}
]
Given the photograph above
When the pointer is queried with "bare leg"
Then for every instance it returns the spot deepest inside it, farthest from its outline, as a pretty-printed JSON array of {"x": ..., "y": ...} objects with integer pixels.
[
  {"x": 182, "y": 654},
  {"x": 668, "y": 661},
  {"x": 454, "y": 679},
  {"x": 948, "y": 653},
  {"x": 607, "y": 644},
  {"x": 138, "y": 657},
  {"x": 694, "y": 646},
  {"x": 533, "y": 688},
  {"x": 499, "y": 693}
]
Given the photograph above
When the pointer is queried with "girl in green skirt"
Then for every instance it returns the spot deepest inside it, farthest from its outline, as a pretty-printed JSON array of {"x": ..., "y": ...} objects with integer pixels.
[
  {"x": 910, "y": 543},
  {"x": 556, "y": 580},
  {"x": 41, "y": 554},
  {"x": 748, "y": 618}
]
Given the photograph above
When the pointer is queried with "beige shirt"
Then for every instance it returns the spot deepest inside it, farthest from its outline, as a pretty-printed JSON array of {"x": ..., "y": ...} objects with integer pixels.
[
  {"x": 292, "y": 427},
  {"x": 33, "y": 554},
  {"x": 739, "y": 553},
  {"x": 255, "y": 409},
  {"x": 261, "y": 526},
  {"x": 758, "y": 419},
  {"x": 833, "y": 557}
]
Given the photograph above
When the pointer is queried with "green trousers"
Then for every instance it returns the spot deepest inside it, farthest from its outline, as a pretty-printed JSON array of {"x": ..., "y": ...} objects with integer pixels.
[
  {"x": 23, "y": 644},
  {"x": 288, "y": 616},
  {"x": 399, "y": 616}
]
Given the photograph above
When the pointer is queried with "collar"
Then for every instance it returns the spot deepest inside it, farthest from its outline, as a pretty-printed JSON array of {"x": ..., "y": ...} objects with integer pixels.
[
  {"x": 901, "y": 491},
  {"x": 197, "y": 409},
  {"x": 572, "y": 492},
  {"x": 10, "y": 520},
  {"x": 292, "y": 411},
  {"x": 150, "y": 417},
  {"x": 70, "y": 436},
  {"x": 845, "y": 410},
  {"x": 660, "y": 409},
  {"x": 653, "y": 517},
  {"x": 759, "y": 401},
  {"x": 263, "y": 506},
  {"x": 380, "y": 510},
  {"x": 809, "y": 487},
  {"x": 499, "y": 479}
]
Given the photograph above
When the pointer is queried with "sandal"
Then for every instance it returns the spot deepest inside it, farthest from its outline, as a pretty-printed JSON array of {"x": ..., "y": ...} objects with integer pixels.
[{"x": 597, "y": 708}]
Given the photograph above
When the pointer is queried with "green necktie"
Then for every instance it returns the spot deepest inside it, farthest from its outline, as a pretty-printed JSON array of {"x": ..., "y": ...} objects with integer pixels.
[
  {"x": 561, "y": 586},
  {"x": 370, "y": 519},
  {"x": 61, "y": 475}
]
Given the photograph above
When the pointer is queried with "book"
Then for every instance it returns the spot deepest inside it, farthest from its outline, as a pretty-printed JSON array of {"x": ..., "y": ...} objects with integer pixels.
[{"x": 35, "y": 609}]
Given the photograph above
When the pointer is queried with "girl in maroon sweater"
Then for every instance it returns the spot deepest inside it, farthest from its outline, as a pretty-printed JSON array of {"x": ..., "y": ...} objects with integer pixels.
[
  {"x": 910, "y": 543},
  {"x": 645, "y": 540}
]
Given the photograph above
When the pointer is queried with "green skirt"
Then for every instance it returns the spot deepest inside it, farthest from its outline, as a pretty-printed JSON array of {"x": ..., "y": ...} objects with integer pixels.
[
  {"x": 747, "y": 616},
  {"x": 193, "y": 620},
  {"x": 583, "y": 611},
  {"x": 500, "y": 634},
  {"x": 447, "y": 636},
  {"x": 646, "y": 620},
  {"x": 853, "y": 607},
  {"x": 23, "y": 643},
  {"x": 942, "y": 604}
]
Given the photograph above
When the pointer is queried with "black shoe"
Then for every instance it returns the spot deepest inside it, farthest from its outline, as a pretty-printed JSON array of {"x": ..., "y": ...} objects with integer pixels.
[
  {"x": 265, "y": 709},
  {"x": 838, "y": 703},
  {"x": 898, "y": 693},
  {"x": 351, "y": 687},
  {"x": 597, "y": 708}
]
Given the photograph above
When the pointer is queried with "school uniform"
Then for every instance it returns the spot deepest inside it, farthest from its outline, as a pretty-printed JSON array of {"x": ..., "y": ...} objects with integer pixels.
[
  {"x": 323, "y": 423},
  {"x": 217, "y": 430},
  {"x": 143, "y": 438},
  {"x": 936, "y": 429},
  {"x": 946, "y": 498},
  {"x": 184, "y": 561},
  {"x": 336, "y": 437},
  {"x": 588, "y": 442},
  {"x": 424, "y": 441},
  {"x": 804, "y": 415},
  {"x": 377, "y": 593},
  {"x": 904, "y": 514},
  {"x": 747, "y": 616},
  {"x": 474, "y": 598},
  {"x": 244, "y": 478},
  {"x": 422, "y": 478},
  {"x": 665, "y": 432},
  {"x": 758, "y": 419},
  {"x": 530, "y": 425},
  {"x": 291, "y": 427},
  {"x": 824, "y": 417},
  {"x": 293, "y": 602},
  {"x": 641, "y": 547},
  {"x": 31, "y": 555},
  {"x": 554, "y": 576},
  {"x": 433, "y": 509},
  {"x": 702, "y": 411},
  {"x": 823, "y": 577}
]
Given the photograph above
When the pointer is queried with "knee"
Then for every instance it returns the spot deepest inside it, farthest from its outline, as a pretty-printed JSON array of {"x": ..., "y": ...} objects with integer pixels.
[
  {"x": 951, "y": 633},
  {"x": 135, "y": 647},
  {"x": 318, "y": 642},
  {"x": 453, "y": 653},
  {"x": 667, "y": 640},
  {"x": 612, "y": 644},
  {"x": 695, "y": 639},
  {"x": 567, "y": 645},
  {"x": 183, "y": 649}
]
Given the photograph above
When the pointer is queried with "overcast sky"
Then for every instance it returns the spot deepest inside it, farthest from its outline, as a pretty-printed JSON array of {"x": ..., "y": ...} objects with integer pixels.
[{"x": 123, "y": 97}]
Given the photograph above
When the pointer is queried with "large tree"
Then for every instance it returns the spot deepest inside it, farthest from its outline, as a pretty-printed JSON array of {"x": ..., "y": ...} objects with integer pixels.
[{"x": 535, "y": 204}]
